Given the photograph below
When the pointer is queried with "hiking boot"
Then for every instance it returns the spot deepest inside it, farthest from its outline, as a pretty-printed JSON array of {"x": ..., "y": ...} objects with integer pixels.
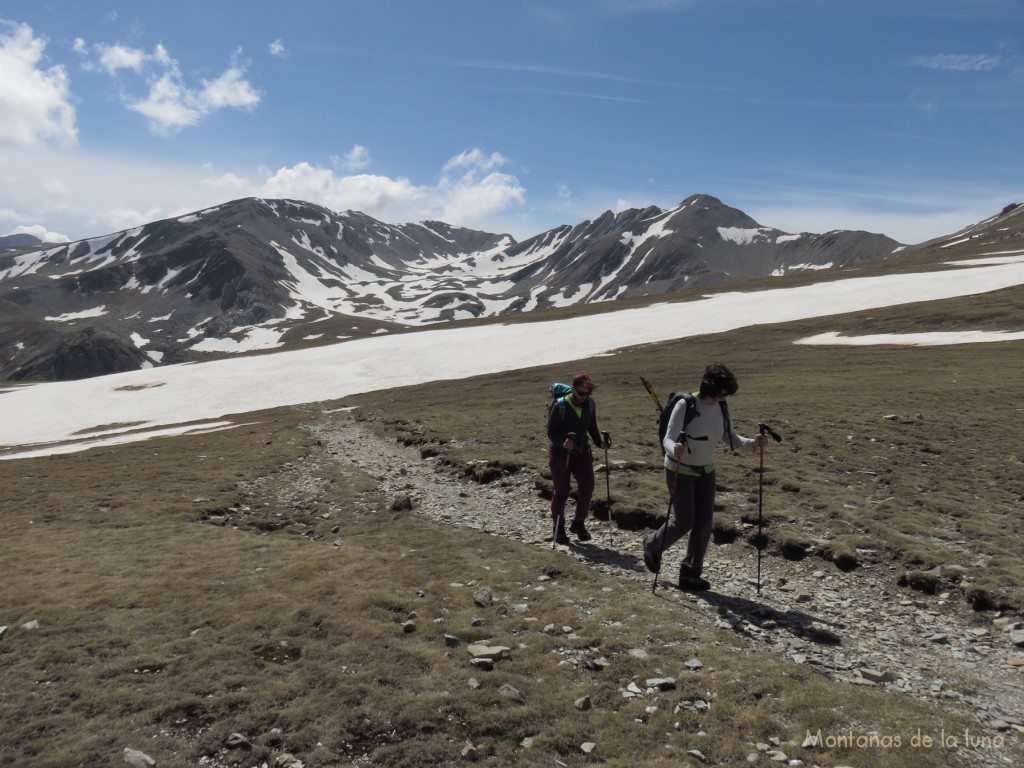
[
  {"x": 693, "y": 583},
  {"x": 561, "y": 537},
  {"x": 652, "y": 561},
  {"x": 578, "y": 527}
]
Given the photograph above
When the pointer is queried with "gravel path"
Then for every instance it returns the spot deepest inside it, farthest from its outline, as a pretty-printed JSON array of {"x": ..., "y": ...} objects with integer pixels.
[{"x": 858, "y": 627}]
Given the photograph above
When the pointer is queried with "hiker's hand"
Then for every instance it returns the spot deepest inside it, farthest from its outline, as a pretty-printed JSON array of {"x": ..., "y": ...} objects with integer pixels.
[
  {"x": 680, "y": 448},
  {"x": 760, "y": 442},
  {"x": 569, "y": 442}
]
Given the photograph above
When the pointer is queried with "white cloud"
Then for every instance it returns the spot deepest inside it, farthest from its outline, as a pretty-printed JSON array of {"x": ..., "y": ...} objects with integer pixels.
[
  {"x": 480, "y": 191},
  {"x": 355, "y": 159},
  {"x": 167, "y": 105},
  {"x": 125, "y": 217},
  {"x": 35, "y": 102},
  {"x": 277, "y": 48},
  {"x": 226, "y": 181},
  {"x": 958, "y": 62},
  {"x": 116, "y": 57},
  {"x": 468, "y": 192},
  {"x": 41, "y": 232},
  {"x": 101, "y": 194},
  {"x": 171, "y": 104},
  {"x": 231, "y": 89},
  {"x": 474, "y": 160}
]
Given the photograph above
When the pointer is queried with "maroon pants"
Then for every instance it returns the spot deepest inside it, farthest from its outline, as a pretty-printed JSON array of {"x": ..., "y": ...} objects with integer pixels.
[{"x": 582, "y": 468}]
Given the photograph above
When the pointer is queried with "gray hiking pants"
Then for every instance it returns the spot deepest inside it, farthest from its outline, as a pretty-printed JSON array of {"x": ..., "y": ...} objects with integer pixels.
[{"x": 693, "y": 509}]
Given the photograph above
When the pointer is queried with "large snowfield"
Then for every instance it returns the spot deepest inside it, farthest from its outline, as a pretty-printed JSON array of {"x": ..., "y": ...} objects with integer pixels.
[{"x": 64, "y": 417}]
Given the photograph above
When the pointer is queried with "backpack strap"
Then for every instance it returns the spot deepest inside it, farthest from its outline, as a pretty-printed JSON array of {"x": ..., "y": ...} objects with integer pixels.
[{"x": 728, "y": 422}]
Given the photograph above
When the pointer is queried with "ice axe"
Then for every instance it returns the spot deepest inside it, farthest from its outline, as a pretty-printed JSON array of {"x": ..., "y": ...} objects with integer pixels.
[{"x": 763, "y": 429}]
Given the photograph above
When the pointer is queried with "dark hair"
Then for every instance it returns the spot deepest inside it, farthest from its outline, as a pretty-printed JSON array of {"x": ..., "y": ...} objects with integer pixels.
[
  {"x": 583, "y": 378},
  {"x": 718, "y": 381}
]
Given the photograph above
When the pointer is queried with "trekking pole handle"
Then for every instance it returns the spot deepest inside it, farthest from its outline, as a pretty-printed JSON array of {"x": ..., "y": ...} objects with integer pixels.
[
  {"x": 764, "y": 428},
  {"x": 607, "y": 440}
]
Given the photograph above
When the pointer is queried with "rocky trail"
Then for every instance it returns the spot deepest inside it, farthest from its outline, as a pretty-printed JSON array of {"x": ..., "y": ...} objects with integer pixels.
[{"x": 857, "y": 628}]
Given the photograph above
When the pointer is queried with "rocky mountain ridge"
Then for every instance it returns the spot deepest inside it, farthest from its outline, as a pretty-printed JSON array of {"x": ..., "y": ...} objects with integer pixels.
[{"x": 256, "y": 274}]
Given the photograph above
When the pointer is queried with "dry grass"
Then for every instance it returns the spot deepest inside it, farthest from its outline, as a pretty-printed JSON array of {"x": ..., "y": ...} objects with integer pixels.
[
  {"x": 165, "y": 633},
  {"x": 914, "y": 453}
]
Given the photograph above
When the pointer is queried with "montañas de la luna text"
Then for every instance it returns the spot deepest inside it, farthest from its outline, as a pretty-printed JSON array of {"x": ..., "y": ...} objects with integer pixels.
[{"x": 852, "y": 739}]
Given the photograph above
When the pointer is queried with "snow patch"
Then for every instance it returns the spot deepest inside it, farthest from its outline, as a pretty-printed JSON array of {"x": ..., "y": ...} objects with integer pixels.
[
  {"x": 741, "y": 236},
  {"x": 936, "y": 339},
  {"x": 69, "y": 316}
]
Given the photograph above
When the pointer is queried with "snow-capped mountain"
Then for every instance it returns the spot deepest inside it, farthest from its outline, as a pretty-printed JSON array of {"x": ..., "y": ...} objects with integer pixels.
[{"x": 259, "y": 273}]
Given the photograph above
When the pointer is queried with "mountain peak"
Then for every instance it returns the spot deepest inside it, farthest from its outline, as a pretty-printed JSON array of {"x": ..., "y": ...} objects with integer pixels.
[{"x": 254, "y": 272}]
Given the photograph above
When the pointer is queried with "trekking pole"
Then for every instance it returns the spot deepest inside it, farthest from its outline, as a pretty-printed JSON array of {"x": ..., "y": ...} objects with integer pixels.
[
  {"x": 608, "y": 484},
  {"x": 661, "y": 549},
  {"x": 762, "y": 428}
]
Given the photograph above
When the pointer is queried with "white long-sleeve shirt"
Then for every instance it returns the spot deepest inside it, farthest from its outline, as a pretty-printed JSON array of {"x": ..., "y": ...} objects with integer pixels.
[{"x": 703, "y": 434}]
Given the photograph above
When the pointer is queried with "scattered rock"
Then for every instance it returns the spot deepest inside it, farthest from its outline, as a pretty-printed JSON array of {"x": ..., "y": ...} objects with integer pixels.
[
  {"x": 662, "y": 683},
  {"x": 138, "y": 759},
  {"x": 483, "y": 597},
  {"x": 858, "y": 623},
  {"x": 238, "y": 741},
  {"x": 583, "y": 703},
  {"x": 509, "y": 692},
  {"x": 877, "y": 677},
  {"x": 495, "y": 652}
]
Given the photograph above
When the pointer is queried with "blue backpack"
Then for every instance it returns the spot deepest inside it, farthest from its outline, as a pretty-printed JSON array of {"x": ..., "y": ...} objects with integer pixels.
[{"x": 557, "y": 392}]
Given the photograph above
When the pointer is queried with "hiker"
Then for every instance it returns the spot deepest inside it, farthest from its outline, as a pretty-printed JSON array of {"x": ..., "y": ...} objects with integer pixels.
[
  {"x": 690, "y": 473},
  {"x": 571, "y": 420}
]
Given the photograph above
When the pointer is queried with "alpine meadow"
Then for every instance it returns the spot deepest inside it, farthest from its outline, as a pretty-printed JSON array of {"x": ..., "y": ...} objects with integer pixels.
[{"x": 369, "y": 578}]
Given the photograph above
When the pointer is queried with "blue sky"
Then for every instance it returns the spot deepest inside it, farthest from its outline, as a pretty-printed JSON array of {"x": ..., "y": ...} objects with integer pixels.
[{"x": 893, "y": 116}]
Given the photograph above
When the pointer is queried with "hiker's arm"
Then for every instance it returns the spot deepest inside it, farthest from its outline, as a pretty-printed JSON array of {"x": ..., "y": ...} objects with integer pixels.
[
  {"x": 741, "y": 443},
  {"x": 595, "y": 433},
  {"x": 556, "y": 430},
  {"x": 672, "y": 432}
]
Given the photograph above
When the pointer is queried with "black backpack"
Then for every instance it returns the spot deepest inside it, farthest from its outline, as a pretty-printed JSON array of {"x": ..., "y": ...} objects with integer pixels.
[{"x": 691, "y": 412}]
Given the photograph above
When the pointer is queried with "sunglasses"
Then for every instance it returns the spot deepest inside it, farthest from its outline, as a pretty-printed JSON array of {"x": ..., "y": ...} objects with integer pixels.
[{"x": 583, "y": 394}]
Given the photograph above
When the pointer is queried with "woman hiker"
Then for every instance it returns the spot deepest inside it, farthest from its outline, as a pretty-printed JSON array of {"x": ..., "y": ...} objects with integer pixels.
[
  {"x": 689, "y": 447},
  {"x": 571, "y": 420}
]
